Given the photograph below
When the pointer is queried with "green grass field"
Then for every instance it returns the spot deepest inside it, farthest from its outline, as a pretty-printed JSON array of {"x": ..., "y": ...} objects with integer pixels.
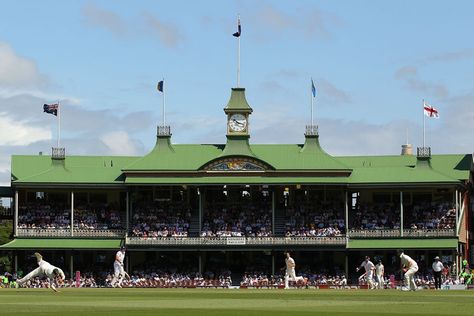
[{"x": 118, "y": 302}]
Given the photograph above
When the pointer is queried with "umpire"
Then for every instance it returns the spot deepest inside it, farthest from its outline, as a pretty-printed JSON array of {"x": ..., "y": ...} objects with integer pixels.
[{"x": 437, "y": 269}]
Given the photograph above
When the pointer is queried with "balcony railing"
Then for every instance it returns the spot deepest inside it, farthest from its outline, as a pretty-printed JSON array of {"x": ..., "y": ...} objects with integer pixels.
[
  {"x": 236, "y": 241},
  {"x": 163, "y": 130},
  {"x": 111, "y": 233},
  {"x": 66, "y": 232},
  {"x": 40, "y": 232},
  {"x": 423, "y": 152},
  {"x": 58, "y": 153},
  {"x": 395, "y": 233},
  {"x": 311, "y": 130}
]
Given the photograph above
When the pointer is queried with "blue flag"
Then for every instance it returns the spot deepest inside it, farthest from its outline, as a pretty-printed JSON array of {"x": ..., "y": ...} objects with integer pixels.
[
  {"x": 239, "y": 29},
  {"x": 313, "y": 88},
  {"x": 160, "y": 86},
  {"x": 51, "y": 108}
]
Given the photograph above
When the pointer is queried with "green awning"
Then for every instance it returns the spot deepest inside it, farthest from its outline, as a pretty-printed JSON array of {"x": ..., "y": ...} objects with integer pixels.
[
  {"x": 25, "y": 243},
  {"x": 447, "y": 243}
]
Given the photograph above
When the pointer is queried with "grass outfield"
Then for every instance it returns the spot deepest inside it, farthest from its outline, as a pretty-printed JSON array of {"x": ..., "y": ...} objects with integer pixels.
[{"x": 209, "y": 302}]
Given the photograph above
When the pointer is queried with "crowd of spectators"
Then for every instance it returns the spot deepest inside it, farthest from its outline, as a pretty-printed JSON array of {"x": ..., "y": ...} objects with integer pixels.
[
  {"x": 55, "y": 216},
  {"x": 85, "y": 281},
  {"x": 44, "y": 216},
  {"x": 312, "y": 220},
  {"x": 376, "y": 216},
  {"x": 161, "y": 220},
  {"x": 174, "y": 280},
  {"x": 430, "y": 216},
  {"x": 418, "y": 216},
  {"x": 236, "y": 221},
  {"x": 100, "y": 216}
]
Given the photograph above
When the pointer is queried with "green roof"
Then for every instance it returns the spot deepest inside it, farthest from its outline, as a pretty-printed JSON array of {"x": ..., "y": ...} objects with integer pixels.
[
  {"x": 293, "y": 158},
  {"x": 62, "y": 243},
  {"x": 238, "y": 102},
  {"x": 447, "y": 243},
  {"x": 73, "y": 169}
]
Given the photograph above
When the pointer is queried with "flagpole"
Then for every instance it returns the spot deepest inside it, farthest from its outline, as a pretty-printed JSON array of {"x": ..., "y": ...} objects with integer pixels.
[
  {"x": 164, "y": 104},
  {"x": 312, "y": 101},
  {"x": 423, "y": 122},
  {"x": 59, "y": 123},
  {"x": 238, "y": 57}
]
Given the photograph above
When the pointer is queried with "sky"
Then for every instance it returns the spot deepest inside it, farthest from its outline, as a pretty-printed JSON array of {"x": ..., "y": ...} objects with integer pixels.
[{"x": 372, "y": 62}]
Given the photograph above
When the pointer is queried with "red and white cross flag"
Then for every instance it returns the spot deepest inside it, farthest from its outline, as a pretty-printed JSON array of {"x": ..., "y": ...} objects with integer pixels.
[{"x": 430, "y": 111}]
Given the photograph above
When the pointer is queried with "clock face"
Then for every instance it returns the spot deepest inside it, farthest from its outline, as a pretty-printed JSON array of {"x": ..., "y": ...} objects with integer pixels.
[{"x": 237, "y": 123}]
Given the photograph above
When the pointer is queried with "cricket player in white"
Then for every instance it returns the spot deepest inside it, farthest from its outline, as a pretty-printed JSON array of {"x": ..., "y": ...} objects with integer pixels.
[
  {"x": 379, "y": 272},
  {"x": 119, "y": 272},
  {"x": 369, "y": 271},
  {"x": 54, "y": 274},
  {"x": 290, "y": 270},
  {"x": 410, "y": 267}
]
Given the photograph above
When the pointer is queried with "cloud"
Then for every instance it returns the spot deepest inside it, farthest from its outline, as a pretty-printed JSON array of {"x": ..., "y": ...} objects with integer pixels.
[
  {"x": 450, "y": 56},
  {"x": 119, "y": 143},
  {"x": 18, "y": 72},
  {"x": 108, "y": 20},
  {"x": 412, "y": 81},
  {"x": 331, "y": 93},
  {"x": 167, "y": 33},
  {"x": 19, "y": 132},
  {"x": 310, "y": 23},
  {"x": 144, "y": 24}
]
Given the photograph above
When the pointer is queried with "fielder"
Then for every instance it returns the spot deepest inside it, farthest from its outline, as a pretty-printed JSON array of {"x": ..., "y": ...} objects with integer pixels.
[
  {"x": 410, "y": 267},
  {"x": 369, "y": 271},
  {"x": 379, "y": 272},
  {"x": 119, "y": 272},
  {"x": 52, "y": 273},
  {"x": 290, "y": 271}
]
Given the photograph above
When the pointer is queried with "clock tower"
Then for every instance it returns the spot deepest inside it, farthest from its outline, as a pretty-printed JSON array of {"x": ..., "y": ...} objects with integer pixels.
[{"x": 238, "y": 111}]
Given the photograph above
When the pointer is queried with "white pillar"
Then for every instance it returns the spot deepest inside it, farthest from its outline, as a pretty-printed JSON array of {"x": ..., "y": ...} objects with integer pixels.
[
  {"x": 401, "y": 213},
  {"x": 273, "y": 211},
  {"x": 457, "y": 213},
  {"x": 200, "y": 197},
  {"x": 127, "y": 214},
  {"x": 72, "y": 213},
  {"x": 346, "y": 210},
  {"x": 15, "y": 219}
]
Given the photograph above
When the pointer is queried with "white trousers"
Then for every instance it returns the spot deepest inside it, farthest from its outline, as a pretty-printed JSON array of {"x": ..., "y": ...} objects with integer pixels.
[
  {"x": 370, "y": 279},
  {"x": 290, "y": 274},
  {"x": 409, "y": 280},
  {"x": 38, "y": 272},
  {"x": 119, "y": 273},
  {"x": 380, "y": 281}
]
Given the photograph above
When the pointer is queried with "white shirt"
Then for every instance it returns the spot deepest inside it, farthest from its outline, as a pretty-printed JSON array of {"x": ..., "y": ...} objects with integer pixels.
[
  {"x": 119, "y": 256},
  {"x": 48, "y": 269},
  {"x": 379, "y": 269},
  {"x": 438, "y": 266},
  {"x": 290, "y": 263},
  {"x": 407, "y": 261},
  {"x": 368, "y": 265}
]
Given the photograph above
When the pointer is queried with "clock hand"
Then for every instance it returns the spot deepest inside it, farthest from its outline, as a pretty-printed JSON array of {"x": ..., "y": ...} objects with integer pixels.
[{"x": 237, "y": 122}]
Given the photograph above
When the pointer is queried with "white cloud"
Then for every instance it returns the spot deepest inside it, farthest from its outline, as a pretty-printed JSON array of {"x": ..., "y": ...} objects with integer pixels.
[
  {"x": 413, "y": 81},
  {"x": 20, "y": 133},
  {"x": 18, "y": 72},
  {"x": 119, "y": 143},
  {"x": 106, "y": 19}
]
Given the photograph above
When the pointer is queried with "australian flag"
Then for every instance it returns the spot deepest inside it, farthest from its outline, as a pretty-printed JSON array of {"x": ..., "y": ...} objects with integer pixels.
[
  {"x": 51, "y": 108},
  {"x": 160, "y": 86}
]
